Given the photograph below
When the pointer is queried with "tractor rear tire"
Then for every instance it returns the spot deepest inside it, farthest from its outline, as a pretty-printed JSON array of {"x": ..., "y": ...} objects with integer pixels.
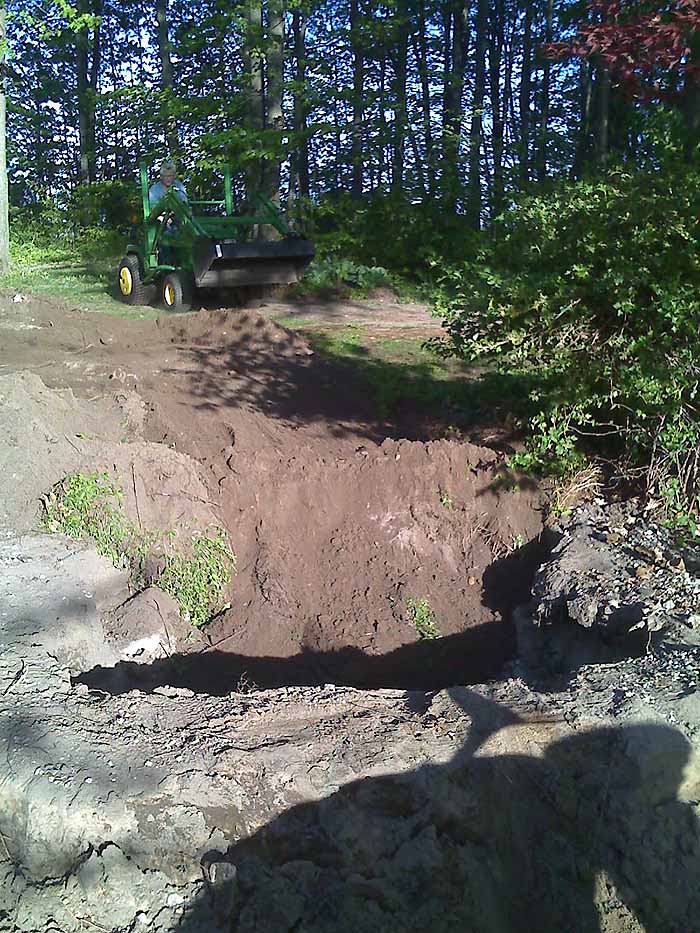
[
  {"x": 132, "y": 289},
  {"x": 176, "y": 294}
]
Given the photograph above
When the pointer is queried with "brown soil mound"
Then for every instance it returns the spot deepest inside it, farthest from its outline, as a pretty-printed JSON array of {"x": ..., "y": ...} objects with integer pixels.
[
  {"x": 248, "y": 331},
  {"x": 337, "y": 528}
]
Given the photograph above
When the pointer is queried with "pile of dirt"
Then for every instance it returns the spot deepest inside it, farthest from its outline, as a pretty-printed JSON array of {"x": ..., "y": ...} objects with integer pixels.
[
  {"x": 342, "y": 536},
  {"x": 50, "y": 433},
  {"x": 248, "y": 332},
  {"x": 44, "y": 434}
]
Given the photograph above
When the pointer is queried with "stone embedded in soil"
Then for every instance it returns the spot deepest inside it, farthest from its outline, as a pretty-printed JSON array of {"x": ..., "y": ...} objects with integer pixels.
[{"x": 612, "y": 584}]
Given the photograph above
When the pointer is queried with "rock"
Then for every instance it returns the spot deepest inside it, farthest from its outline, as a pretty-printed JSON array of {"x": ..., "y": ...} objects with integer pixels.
[{"x": 593, "y": 601}]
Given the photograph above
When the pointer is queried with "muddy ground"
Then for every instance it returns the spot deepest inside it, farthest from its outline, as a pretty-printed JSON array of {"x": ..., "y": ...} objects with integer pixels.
[{"x": 337, "y": 520}]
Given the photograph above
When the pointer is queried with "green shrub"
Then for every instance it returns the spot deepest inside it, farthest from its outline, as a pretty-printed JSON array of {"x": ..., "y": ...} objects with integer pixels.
[
  {"x": 198, "y": 581},
  {"x": 339, "y": 276},
  {"x": 89, "y": 505},
  {"x": 388, "y": 231},
  {"x": 592, "y": 292},
  {"x": 110, "y": 204},
  {"x": 46, "y": 233}
]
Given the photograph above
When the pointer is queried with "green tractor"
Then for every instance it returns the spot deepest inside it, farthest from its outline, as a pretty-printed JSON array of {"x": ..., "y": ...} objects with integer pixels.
[{"x": 176, "y": 250}]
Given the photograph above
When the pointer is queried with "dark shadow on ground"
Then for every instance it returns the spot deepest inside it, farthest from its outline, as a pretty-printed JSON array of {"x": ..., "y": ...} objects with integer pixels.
[
  {"x": 485, "y": 843},
  {"x": 431, "y": 664},
  {"x": 473, "y": 656},
  {"x": 348, "y": 389}
]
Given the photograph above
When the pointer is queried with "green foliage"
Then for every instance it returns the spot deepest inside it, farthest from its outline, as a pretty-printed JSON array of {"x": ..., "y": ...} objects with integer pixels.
[
  {"x": 342, "y": 276},
  {"x": 197, "y": 582},
  {"x": 422, "y": 618},
  {"x": 88, "y": 505},
  {"x": 388, "y": 231},
  {"x": 592, "y": 293},
  {"x": 45, "y": 233},
  {"x": 445, "y": 498},
  {"x": 112, "y": 204}
]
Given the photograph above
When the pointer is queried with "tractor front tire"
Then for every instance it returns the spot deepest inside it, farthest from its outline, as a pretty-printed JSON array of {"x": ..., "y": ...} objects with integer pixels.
[
  {"x": 132, "y": 289},
  {"x": 175, "y": 294}
]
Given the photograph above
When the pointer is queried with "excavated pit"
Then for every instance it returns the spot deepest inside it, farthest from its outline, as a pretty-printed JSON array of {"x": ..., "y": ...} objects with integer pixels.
[
  {"x": 338, "y": 525},
  {"x": 503, "y": 807}
]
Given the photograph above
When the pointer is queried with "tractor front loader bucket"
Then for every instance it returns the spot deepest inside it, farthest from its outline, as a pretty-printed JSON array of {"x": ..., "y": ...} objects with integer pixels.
[{"x": 230, "y": 264}]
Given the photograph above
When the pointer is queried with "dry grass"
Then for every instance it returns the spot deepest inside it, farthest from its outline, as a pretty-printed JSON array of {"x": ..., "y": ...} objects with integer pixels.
[{"x": 582, "y": 487}]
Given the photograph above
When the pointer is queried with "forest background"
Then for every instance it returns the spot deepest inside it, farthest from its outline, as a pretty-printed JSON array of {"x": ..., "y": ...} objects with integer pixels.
[{"x": 530, "y": 165}]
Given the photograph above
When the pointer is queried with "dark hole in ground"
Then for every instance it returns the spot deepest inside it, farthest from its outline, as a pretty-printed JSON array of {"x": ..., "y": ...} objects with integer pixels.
[{"x": 472, "y": 656}]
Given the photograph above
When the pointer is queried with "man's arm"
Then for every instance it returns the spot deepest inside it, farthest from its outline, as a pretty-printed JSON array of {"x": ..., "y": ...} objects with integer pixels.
[{"x": 155, "y": 193}]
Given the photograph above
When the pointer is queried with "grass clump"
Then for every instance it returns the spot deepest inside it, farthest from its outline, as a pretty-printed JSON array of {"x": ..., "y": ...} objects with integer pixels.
[
  {"x": 89, "y": 505},
  {"x": 422, "y": 618},
  {"x": 445, "y": 498},
  {"x": 198, "y": 582}
]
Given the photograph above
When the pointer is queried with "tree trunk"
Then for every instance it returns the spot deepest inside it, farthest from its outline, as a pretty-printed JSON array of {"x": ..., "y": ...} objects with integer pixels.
[
  {"x": 602, "y": 140},
  {"x": 166, "y": 72},
  {"x": 400, "y": 108},
  {"x": 4, "y": 195},
  {"x": 81, "y": 46},
  {"x": 358, "y": 92},
  {"x": 544, "y": 106},
  {"x": 420, "y": 49},
  {"x": 301, "y": 159},
  {"x": 337, "y": 159},
  {"x": 495, "y": 55},
  {"x": 446, "y": 56},
  {"x": 452, "y": 127},
  {"x": 419, "y": 160},
  {"x": 383, "y": 104},
  {"x": 254, "y": 101},
  {"x": 525, "y": 85},
  {"x": 87, "y": 82},
  {"x": 476, "y": 128},
  {"x": 690, "y": 103},
  {"x": 275, "y": 79},
  {"x": 584, "y": 129}
]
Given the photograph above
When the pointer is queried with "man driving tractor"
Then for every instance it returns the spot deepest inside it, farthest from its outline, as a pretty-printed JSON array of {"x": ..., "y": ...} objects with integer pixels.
[
  {"x": 168, "y": 179},
  {"x": 178, "y": 248}
]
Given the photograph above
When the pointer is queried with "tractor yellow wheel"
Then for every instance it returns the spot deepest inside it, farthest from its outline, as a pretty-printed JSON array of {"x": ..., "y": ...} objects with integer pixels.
[
  {"x": 176, "y": 292},
  {"x": 132, "y": 289},
  {"x": 126, "y": 281}
]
